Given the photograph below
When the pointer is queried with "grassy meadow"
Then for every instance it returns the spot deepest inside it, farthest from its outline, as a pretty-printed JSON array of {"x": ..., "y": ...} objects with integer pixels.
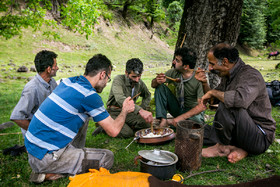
[{"x": 119, "y": 44}]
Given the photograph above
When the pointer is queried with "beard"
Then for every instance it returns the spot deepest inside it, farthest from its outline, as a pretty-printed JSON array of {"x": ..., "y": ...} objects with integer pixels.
[
  {"x": 215, "y": 72},
  {"x": 132, "y": 82},
  {"x": 99, "y": 87}
]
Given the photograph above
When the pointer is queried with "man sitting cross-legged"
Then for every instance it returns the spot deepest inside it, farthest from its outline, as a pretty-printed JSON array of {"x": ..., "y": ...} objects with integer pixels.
[
  {"x": 123, "y": 86},
  {"x": 242, "y": 124}
]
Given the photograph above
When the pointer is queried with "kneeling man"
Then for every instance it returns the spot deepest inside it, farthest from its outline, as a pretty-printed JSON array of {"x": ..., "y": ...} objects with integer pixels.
[{"x": 56, "y": 135}]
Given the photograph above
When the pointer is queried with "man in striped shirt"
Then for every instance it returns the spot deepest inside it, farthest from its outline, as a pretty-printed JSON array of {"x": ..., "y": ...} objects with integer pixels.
[{"x": 56, "y": 135}]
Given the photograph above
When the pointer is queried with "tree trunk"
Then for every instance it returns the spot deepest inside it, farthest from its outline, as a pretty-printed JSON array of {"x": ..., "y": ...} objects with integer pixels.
[
  {"x": 206, "y": 23},
  {"x": 126, "y": 5}
]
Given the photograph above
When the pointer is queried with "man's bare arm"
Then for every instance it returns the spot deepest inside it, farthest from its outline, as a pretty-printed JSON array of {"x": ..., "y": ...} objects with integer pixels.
[
  {"x": 114, "y": 126},
  {"x": 22, "y": 123},
  {"x": 194, "y": 111}
]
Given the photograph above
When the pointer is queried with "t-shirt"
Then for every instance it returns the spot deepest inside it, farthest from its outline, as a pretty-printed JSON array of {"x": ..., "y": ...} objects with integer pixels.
[
  {"x": 192, "y": 89},
  {"x": 62, "y": 114}
]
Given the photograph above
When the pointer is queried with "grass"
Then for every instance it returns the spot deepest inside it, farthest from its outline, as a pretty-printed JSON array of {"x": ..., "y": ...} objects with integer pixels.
[{"x": 118, "y": 45}]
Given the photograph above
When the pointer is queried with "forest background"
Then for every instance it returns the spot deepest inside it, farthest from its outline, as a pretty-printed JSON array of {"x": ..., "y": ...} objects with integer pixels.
[{"x": 147, "y": 29}]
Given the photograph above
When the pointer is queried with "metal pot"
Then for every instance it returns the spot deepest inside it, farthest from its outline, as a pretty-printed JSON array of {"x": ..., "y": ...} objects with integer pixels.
[{"x": 159, "y": 163}]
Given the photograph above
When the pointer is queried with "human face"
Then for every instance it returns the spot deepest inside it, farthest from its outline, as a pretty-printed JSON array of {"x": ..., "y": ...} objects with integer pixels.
[
  {"x": 54, "y": 68},
  {"x": 214, "y": 66},
  {"x": 178, "y": 63},
  {"x": 133, "y": 77},
  {"x": 109, "y": 78},
  {"x": 103, "y": 83}
]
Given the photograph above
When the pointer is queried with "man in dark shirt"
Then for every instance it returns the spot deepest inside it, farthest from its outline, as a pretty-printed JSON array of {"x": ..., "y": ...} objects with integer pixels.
[
  {"x": 243, "y": 124},
  {"x": 123, "y": 86}
]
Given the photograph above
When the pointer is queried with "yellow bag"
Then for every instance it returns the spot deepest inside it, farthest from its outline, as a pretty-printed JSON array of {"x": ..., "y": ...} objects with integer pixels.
[{"x": 103, "y": 178}]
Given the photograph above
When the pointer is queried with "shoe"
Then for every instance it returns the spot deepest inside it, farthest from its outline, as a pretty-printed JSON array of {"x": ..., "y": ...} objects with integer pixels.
[
  {"x": 53, "y": 176},
  {"x": 37, "y": 177},
  {"x": 98, "y": 130},
  {"x": 15, "y": 150},
  {"x": 41, "y": 177}
]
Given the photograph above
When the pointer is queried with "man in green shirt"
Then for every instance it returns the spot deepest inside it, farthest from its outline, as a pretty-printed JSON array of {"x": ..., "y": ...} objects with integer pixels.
[
  {"x": 130, "y": 84},
  {"x": 188, "y": 89}
]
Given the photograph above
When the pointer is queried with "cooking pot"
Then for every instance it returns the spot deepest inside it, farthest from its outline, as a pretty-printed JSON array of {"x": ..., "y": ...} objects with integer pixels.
[
  {"x": 163, "y": 134},
  {"x": 159, "y": 163}
]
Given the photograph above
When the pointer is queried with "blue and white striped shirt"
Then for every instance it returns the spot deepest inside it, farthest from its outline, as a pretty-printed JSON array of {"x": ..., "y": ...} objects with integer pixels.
[{"x": 60, "y": 116}]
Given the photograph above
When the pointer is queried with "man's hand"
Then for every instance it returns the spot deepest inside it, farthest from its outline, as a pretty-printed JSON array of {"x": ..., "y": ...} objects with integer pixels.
[
  {"x": 128, "y": 105},
  {"x": 206, "y": 98},
  {"x": 161, "y": 78},
  {"x": 172, "y": 122},
  {"x": 146, "y": 115},
  {"x": 22, "y": 123},
  {"x": 211, "y": 95},
  {"x": 200, "y": 75}
]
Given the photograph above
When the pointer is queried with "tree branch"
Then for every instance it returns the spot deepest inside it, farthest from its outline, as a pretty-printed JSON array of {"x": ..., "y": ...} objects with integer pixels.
[{"x": 210, "y": 171}]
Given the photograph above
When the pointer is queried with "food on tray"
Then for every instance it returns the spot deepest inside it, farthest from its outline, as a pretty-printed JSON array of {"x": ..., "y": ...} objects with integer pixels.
[{"x": 151, "y": 135}]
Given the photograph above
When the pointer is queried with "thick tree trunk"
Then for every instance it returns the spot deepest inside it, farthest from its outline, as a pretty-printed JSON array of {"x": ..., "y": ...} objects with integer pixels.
[{"x": 206, "y": 23}]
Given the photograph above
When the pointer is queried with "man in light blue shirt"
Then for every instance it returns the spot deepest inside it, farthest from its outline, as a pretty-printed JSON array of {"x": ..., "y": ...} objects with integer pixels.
[{"x": 36, "y": 90}]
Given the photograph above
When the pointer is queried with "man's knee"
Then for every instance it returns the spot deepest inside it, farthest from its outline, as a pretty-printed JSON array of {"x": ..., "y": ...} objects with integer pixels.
[
  {"x": 125, "y": 134},
  {"x": 96, "y": 158}
]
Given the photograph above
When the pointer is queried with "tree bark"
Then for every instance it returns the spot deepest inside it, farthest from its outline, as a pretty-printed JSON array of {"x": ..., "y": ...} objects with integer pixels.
[{"x": 206, "y": 23}]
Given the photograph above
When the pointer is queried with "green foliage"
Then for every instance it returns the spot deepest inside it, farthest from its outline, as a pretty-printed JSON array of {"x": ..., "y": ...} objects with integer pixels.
[
  {"x": 274, "y": 8},
  {"x": 166, "y": 3},
  {"x": 78, "y": 15},
  {"x": 174, "y": 12},
  {"x": 253, "y": 28},
  {"x": 13, "y": 19},
  {"x": 273, "y": 22},
  {"x": 154, "y": 11}
]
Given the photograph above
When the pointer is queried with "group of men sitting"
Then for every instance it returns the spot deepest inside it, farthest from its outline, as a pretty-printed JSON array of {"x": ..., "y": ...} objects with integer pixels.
[{"x": 55, "y": 118}]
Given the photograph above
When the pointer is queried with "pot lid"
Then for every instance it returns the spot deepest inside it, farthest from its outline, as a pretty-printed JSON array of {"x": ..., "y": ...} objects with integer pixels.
[{"x": 156, "y": 155}]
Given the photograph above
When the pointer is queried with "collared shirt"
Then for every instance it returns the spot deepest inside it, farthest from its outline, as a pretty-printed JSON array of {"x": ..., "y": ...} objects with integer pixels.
[
  {"x": 192, "y": 89},
  {"x": 121, "y": 89},
  {"x": 62, "y": 114},
  {"x": 33, "y": 94},
  {"x": 245, "y": 88}
]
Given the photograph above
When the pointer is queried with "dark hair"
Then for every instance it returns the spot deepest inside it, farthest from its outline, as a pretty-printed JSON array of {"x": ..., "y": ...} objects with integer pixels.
[
  {"x": 188, "y": 56},
  {"x": 134, "y": 65},
  {"x": 97, "y": 64},
  {"x": 224, "y": 50},
  {"x": 44, "y": 59}
]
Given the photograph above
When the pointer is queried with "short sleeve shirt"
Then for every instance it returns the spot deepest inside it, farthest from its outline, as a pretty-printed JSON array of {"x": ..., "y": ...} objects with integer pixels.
[
  {"x": 62, "y": 114},
  {"x": 192, "y": 89}
]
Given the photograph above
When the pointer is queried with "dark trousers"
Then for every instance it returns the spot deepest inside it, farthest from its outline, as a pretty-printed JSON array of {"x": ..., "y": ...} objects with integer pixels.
[
  {"x": 236, "y": 127},
  {"x": 167, "y": 102}
]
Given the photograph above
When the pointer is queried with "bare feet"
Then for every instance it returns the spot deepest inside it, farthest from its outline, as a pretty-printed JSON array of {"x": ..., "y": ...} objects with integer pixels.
[
  {"x": 216, "y": 150},
  {"x": 236, "y": 155}
]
